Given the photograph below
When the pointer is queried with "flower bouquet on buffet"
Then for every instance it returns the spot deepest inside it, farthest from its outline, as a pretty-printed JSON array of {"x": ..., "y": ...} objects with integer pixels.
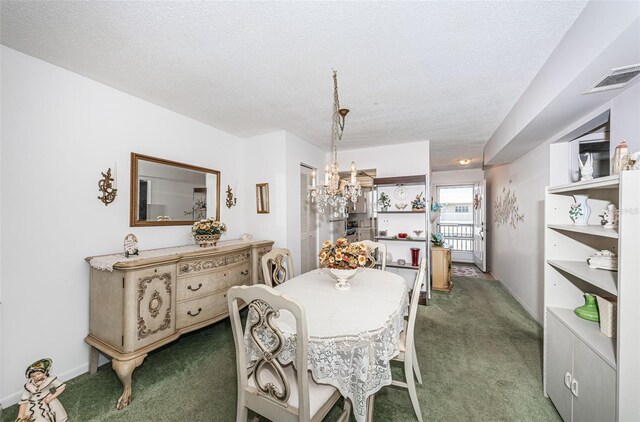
[{"x": 207, "y": 232}]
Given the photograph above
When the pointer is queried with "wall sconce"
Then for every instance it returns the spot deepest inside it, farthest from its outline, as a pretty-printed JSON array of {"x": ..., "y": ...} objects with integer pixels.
[
  {"x": 231, "y": 201},
  {"x": 107, "y": 188}
]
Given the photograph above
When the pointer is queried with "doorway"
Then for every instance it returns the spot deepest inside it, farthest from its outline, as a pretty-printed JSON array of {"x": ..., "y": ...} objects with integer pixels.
[
  {"x": 462, "y": 221},
  {"x": 456, "y": 220}
]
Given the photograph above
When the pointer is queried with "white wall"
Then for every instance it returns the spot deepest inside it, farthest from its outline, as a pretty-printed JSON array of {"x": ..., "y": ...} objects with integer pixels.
[
  {"x": 298, "y": 152},
  {"x": 60, "y": 130},
  {"x": 625, "y": 118},
  {"x": 516, "y": 256},
  {"x": 462, "y": 176},
  {"x": 275, "y": 158},
  {"x": 265, "y": 163},
  {"x": 391, "y": 160}
]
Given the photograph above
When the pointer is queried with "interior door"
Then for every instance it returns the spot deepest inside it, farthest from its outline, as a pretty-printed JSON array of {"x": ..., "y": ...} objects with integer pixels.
[
  {"x": 308, "y": 225},
  {"x": 479, "y": 225}
]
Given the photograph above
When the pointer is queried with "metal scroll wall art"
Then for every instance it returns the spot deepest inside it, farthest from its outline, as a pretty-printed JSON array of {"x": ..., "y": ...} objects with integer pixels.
[
  {"x": 231, "y": 201},
  {"x": 107, "y": 188},
  {"x": 506, "y": 211}
]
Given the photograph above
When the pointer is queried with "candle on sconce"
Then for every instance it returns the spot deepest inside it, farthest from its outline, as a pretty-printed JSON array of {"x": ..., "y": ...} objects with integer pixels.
[
  {"x": 313, "y": 177},
  {"x": 353, "y": 172},
  {"x": 326, "y": 174},
  {"x": 115, "y": 175}
]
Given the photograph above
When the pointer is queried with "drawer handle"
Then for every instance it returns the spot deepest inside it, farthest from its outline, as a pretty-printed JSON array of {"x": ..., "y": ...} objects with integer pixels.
[
  {"x": 245, "y": 272},
  {"x": 196, "y": 289},
  {"x": 196, "y": 314},
  {"x": 574, "y": 387}
]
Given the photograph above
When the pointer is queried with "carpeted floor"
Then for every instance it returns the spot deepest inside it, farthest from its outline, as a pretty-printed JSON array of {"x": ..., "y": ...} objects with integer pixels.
[{"x": 479, "y": 352}]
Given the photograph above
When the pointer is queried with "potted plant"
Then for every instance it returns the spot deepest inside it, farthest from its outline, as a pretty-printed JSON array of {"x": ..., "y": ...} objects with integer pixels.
[
  {"x": 437, "y": 239},
  {"x": 343, "y": 259},
  {"x": 384, "y": 201},
  {"x": 207, "y": 232}
]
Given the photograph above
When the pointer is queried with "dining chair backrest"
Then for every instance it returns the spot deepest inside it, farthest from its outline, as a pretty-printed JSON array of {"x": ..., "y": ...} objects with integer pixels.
[
  {"x": 382, "y": 253},
  {"x": 414, "y": 300},
  {"x": 277, "y": 267},
  {"x": 270, "y": 392}
]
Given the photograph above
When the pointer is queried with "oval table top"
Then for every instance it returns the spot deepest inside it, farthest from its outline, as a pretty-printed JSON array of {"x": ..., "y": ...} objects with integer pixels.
[{"x": 367, "y": 306}]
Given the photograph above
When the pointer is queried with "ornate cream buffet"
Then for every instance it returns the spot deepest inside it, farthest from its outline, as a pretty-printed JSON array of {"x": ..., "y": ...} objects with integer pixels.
[{"x": 141, "y": 303}]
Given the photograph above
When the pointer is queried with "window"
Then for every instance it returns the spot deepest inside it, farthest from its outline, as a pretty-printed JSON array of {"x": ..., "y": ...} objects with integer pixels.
[{"x": 462, "y": 208}]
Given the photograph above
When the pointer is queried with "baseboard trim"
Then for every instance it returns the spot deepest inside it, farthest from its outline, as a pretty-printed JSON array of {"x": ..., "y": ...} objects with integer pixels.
[
  {"x": 14, "y": 398},
  {"x": 518, "y": 299}
]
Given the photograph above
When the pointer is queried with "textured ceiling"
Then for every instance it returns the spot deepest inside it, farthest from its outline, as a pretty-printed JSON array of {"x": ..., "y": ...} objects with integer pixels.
[{"x": 444, "y": 71}]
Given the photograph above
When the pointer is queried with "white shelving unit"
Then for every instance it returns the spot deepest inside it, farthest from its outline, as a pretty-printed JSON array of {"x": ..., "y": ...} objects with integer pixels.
[
  {"x": 396, "y": 221},
  {"x": 588, "y": 375}
]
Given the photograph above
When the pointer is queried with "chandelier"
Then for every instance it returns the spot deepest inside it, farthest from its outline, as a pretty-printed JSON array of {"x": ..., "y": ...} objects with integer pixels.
[{"x": 335, "y": 192}]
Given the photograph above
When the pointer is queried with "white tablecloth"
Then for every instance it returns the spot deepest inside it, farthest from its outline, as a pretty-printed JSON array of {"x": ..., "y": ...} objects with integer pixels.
[{"x": 353, "y": 334}]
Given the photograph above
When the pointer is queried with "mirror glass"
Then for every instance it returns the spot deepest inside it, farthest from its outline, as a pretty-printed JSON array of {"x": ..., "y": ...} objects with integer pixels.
[
  {"x": 262, "y": 198},
  {"x": 168, "y": 193}
]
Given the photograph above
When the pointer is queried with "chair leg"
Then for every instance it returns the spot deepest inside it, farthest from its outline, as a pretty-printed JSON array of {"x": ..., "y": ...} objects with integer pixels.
[
  {"x": 346, "y": 410},
  {"x": 416, "y": 368},
  {"x": 241, "y": 413},
  {"x": 411, "y": 386},
  {"x": 414, "y": 398}
]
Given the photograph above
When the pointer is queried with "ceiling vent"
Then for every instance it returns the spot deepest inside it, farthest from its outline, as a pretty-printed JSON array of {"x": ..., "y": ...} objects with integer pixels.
[{"x": 616, "y": 78}]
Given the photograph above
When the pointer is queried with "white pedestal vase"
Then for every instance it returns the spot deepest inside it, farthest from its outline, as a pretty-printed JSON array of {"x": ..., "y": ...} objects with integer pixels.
[
  {"x": 580, "y": 211},
  {"x": 342, "y": 277}
]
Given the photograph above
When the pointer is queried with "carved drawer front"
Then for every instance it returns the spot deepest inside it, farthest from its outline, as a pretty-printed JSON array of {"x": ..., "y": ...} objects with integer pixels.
[
  {"x": 210, "y": 282},
  {"x": 198, "y": 310},
  {"x": 151, "y": 295},
  {"x": 197, "y": 266}
]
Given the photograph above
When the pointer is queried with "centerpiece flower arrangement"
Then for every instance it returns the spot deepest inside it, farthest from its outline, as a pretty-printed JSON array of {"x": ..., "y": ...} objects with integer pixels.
[
  {"x": 208, "y": 231},
  {"x": 343, "y": 259},
  {"x": 342, "y": 255}
]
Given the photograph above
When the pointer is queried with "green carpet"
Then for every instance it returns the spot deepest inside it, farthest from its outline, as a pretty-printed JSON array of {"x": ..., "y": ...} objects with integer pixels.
[{"x": 480, "y": 355}]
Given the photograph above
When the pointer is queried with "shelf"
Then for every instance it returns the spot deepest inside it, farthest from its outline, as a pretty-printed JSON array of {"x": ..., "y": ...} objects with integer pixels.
[
  {"x": 589, "y": 333},
  {"x": 592, "y": 230},
  {"x": 419, "y": 180},
  {"x": 401, "y": 212},
  {"x": 394, "y": 264},
  {"x": 602, "y": 279},
  {"x": 608, "y": 182},
  {"x": 408, "y": 239}
]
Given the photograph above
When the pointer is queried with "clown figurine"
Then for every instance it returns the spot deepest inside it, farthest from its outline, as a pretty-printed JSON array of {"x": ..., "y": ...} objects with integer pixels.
[{"x": 39, "y": 403}]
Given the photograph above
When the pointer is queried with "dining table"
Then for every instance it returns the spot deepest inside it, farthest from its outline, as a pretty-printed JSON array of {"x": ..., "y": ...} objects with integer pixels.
[{"x": 352, "y": 334}]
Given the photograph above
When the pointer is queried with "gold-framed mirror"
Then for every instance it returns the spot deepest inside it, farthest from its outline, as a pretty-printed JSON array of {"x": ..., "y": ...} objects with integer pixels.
[
  {"x": 169, "y": 193},
  {"x": 262, "y": 198}
]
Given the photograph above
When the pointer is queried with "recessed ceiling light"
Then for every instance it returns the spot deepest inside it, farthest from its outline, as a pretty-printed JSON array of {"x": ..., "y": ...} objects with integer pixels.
[{"x": 464, "y": 162}]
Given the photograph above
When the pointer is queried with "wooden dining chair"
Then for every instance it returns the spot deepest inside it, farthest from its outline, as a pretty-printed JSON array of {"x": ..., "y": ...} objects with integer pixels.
[
  {"x": 408, "y": 353},
  {"x": 277, "y": 266},
  {"x": 381, "y": 248},
  {"x": 276, "y": 391}
]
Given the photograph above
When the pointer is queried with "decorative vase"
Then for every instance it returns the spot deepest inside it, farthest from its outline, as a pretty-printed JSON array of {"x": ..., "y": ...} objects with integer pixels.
[
  {"x": 342, "y": 277},
  {"x": 415, "y": 255},
  {"x": 580, "y": 211},
  {"x": 205, "y": 240},
  {"x": 589, "y": 310}
]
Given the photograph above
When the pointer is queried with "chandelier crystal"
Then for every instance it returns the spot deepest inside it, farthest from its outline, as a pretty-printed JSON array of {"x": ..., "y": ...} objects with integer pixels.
[{"x": 335, "y": 192}]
